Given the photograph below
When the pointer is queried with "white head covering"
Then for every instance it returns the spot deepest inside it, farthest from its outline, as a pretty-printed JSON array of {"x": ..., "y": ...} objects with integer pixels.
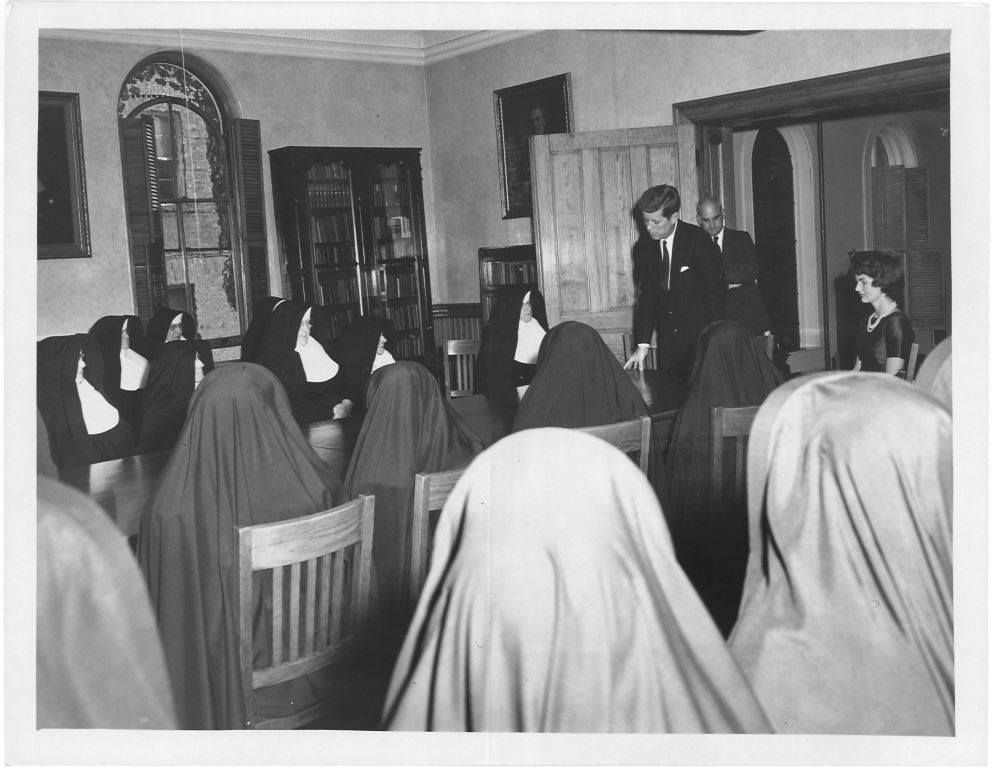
[
  {"x": 381, "y": 359},
  {"x": 134, "y": 368},
  {"x": 554, "y": 603},
  {"x": 98, "y": 415},
  {"x": 846, "y": 619},
  {"x": 529, "y": 336},
  {"x": 317, "y": 365},
  {"x": 197, "y": 371}
]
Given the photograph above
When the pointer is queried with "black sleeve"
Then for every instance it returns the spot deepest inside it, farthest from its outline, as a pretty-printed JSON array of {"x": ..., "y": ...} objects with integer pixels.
[
  {"x": 899, "y": 335},
  {"x": 647, "y": 299}
]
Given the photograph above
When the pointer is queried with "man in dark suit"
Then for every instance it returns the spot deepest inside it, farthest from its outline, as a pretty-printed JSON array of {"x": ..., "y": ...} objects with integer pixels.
[
  {"x": 680, "y": 281},
  {"x": 741, "y": 266}
]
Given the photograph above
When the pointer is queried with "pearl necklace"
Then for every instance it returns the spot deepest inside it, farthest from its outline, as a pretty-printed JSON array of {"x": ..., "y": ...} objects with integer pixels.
[{"x": 871, "y": 324}]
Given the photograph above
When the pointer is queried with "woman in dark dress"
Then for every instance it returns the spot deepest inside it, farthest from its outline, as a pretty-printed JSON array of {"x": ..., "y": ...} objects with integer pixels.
[
  {"x": 579, "y": 383},
  {"x": 83, "y": 426},
  {"x": 125, "y": 368},
  {"x": 508, "y": 356},
  {"x": 730, "y": 369},
  {"x": 408, "y": 428},
  {"x": 846, "y": 622},
  {"x": 240, "y": 460},
  {"x": 364, "y": 347},
  {"x": 297, "y": 348},
  {"x": 261, "y": 316},
  {"x": 883, "y": 342}
]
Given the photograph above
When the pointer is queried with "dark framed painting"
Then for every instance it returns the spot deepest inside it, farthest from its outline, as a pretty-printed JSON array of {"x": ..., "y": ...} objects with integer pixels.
[
  {"x": 541, "y": 106},
  {"x": 63, "y": 221}
]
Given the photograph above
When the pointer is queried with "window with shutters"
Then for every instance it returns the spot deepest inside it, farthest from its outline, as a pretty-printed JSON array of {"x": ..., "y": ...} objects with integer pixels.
[
  {"x": 901, "y": 223},
  {"x": 193, "y": 191}
]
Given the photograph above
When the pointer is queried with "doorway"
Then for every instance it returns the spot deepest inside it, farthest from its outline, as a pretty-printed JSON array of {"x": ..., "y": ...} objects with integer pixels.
[{"x": 775, "y": 234}]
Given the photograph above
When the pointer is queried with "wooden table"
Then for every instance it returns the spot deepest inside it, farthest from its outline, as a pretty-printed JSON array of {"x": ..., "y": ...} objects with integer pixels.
[{"x": 122, "y": 487}]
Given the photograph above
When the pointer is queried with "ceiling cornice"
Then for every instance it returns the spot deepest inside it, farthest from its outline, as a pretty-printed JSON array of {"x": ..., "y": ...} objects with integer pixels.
[{"x": 279, "y": 45}]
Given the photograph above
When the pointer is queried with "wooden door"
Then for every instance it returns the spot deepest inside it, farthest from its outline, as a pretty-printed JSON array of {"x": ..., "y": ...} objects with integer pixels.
[{"x": 585, "y": 186}]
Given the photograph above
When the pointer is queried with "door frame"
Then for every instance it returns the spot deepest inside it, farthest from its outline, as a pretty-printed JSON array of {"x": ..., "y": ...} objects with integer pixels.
[{"x": 901, "y": 86}]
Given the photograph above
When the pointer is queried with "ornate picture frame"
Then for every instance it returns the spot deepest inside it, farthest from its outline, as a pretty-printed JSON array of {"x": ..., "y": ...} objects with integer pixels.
[
  {"x": 541, "y": 106},
  {"x": 63, "y": 218}
]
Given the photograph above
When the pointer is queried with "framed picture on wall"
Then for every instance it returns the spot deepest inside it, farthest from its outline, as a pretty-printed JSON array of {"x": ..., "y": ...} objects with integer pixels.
[
  {"x": 541, "y": 106},
  {"x": 63, "y": 221}
]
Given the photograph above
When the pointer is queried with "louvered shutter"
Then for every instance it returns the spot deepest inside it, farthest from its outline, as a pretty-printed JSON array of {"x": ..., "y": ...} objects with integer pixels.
[
  {"x": 141, "y": 200},
  {"x": 926, "y": 288},
  {"x": 888, "y": 231},
  {"x": 918, "y": 221},
  {"x": 247, "y": 151}
]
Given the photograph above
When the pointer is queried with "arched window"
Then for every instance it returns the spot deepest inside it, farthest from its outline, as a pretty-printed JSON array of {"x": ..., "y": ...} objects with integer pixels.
[
  {"x": 892, "y": 145},
  {"x": 896, "y": 204},
  {"x": 192, "y": 178}
]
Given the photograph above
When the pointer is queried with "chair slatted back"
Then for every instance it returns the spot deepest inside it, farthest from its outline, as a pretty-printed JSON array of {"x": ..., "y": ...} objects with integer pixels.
[
  {"x": 318, "y": 566},
  {"x": 729, "y": 423},
  {"x": 460, "y": 366},
  {"x": 910, "y": 374},
  {"x": 651, "y": 361},
  {"x": 629, "y": 436},
  {"x": 770, "y": 345},
  {"x": 431, "y": 491}
]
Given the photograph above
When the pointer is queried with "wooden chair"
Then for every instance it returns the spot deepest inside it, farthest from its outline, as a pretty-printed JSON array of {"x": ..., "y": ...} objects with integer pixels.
[
  {"x": 335, "y": 549},
  {"x": 770, "y": 345},
  {"x": 629, "y": 436},
  {"x": 724, "y": 423},
  {"x": 911, "y": 371},
  {"x": 651, "y": 361},
  {"x": 431, "y": 491},
  {"x": 460, "y": 366}
]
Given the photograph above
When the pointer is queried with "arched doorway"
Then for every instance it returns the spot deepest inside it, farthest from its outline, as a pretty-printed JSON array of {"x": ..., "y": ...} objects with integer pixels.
[{"x": 775, "y": 234}]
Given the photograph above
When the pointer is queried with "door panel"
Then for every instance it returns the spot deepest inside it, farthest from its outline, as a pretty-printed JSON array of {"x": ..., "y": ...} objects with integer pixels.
[{"x": 585, "y": 186}]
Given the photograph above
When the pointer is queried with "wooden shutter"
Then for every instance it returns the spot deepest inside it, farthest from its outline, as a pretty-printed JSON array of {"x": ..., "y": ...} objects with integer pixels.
[
  {"x": 585, "y": 186},
  {"x": 927, "y": 288},
  {"x": 246, "y": 147},
  {"x": 888, "y": 232},
  {"x": 918, "y": 222},
  {"x": 141, "y": 200}
]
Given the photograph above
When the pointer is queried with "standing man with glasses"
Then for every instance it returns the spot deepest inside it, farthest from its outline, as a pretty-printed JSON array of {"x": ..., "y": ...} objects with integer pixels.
[
  {"x": 741, "y": 267},
  {"x": 680, "y": 281}
]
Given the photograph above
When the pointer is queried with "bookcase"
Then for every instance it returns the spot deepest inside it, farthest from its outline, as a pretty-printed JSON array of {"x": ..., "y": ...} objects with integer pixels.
[
  {"x": 351, "y": 229},
  {"x": 501, "y": 268}
]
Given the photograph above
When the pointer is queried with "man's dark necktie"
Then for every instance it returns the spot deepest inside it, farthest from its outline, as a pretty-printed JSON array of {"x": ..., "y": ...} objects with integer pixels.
[
  {"x": 717, "y": 243},
  {"x": 665, "y": 266}
]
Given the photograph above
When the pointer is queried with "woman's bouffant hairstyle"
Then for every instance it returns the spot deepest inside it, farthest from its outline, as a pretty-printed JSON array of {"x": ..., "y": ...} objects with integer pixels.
[{"x": 883, "y": 267}]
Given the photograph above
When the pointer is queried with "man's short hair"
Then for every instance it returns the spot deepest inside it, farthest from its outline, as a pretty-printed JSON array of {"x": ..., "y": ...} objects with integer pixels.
[{"x": 658, "y": 197}]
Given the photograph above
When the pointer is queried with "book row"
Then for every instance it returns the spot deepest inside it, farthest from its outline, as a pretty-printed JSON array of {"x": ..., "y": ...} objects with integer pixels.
[
  {"x": 328, "y": 195},
  {"x": 510, "y": 272}
]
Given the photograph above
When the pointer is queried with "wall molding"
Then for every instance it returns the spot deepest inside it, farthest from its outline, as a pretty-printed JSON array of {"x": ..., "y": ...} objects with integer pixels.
[{"x": 273, "y": 44}]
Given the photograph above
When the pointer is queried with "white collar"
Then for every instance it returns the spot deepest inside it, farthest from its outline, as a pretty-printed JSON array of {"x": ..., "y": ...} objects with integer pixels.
[
  {"x": 669, "y": 240},
  {"x": 529, "y": 336},
  {"x": 316, "y": 364},
  {"x": 98, "y": 415},
  {"x": 134, "y": 370}
]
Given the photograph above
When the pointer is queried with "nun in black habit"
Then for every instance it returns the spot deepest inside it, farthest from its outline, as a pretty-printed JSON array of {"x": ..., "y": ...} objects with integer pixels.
[
  {"x": 578, "y": 383},
  {"x": 364, "y": 347},
  {"x": 125, "y": 367},
  {"x": 169, "y": 324},
  {"x": 509, "y": 354},
  {"x": 297, "y": 348},
  {"x": 261, "y": 316},
  {"x": 730, "y": 369},
  {"x": 83, "y": 427}
]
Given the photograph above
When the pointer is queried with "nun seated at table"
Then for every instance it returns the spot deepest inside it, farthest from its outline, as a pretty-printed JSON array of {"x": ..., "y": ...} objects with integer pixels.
[
  {"x": 364, "y": 348},
  {"x": 241, "y": 459},
  {"x": 261, "y": 317},
  {"x": 297, "y": 348},
  {"x": 730, "y": 369},
  {"x": 125, "y": 368},
  {"x": 408, "y": 428},
  {"x": 169, "y": 324},
  {"x": 554, "y": 603},
  {"x": 578, "y": 383},
  {"x": 176, "y": 371},
  {"x": 82, "y": 426},
  {"x": 509, "y": 353},
  {"x": 846, "y": 619}
]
